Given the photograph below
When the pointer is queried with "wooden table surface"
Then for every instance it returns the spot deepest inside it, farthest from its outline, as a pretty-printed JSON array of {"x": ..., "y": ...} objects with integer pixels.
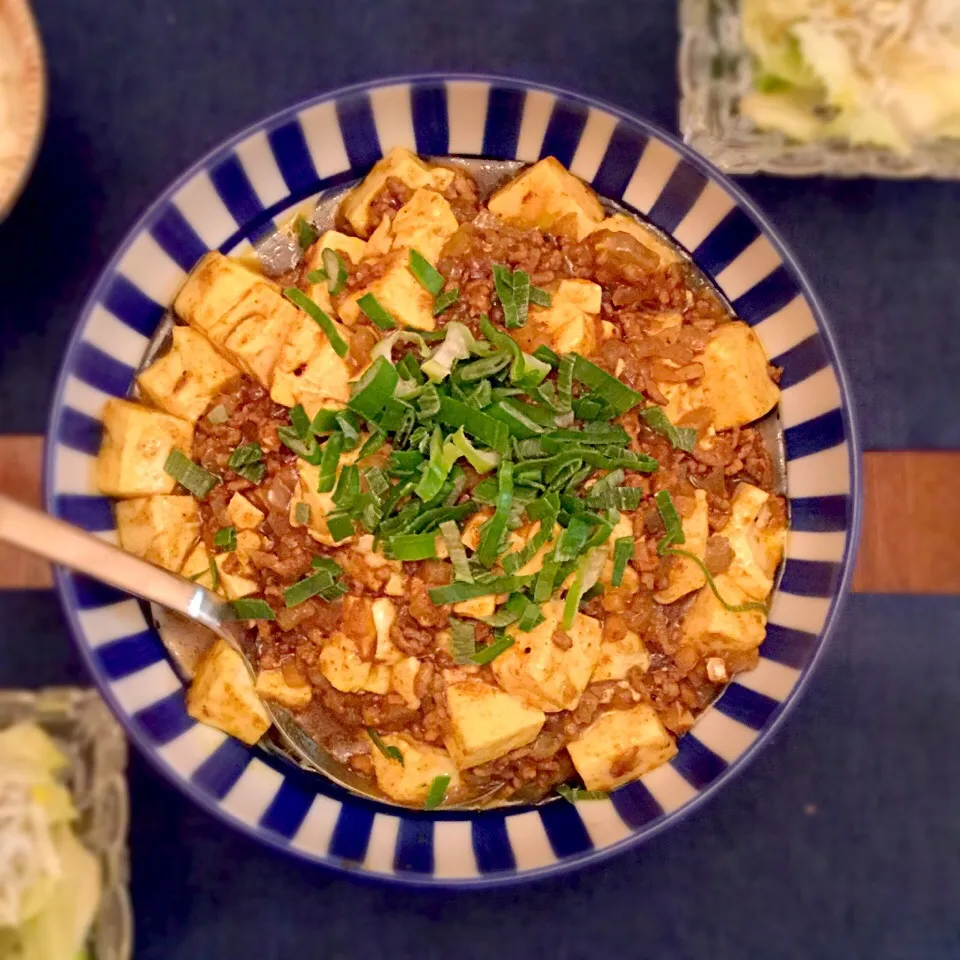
[{"x": 911, "y": 523}]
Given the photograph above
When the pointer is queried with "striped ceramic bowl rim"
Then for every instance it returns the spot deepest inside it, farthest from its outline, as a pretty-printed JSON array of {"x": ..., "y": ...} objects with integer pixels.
[{"x": 232, "y": 197}]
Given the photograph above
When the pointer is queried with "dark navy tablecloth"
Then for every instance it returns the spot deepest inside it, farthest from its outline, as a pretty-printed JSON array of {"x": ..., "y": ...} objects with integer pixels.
[{"x": 842, "y": 838}]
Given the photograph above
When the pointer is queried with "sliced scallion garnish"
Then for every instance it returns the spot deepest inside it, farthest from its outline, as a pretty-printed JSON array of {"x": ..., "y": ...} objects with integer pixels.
[
  {"x": 391, "y": 753},
  {"x": 540, "y": 297},
  {"x": 247, "y": 608},
  {"x": 479, "y": 425},
  {"x": 413, "y": 546},
  {"x": 374, "y": 388},
  {"x": 335, "y": 270},
  {"x": 226, "y": 539},
  {"x": 491, "y": 651},
  {"x": 711, "y": 583},
  {"x": 437, "y": 792},
  {"x": 301, "y": 513},
  {"x": 681, "y": 438},
  {"x": 622, "y": 552},
  {"x": 247, "y": 461},
  {"x": 444, "y": 300},
  {"x": 301, "y": 422},
  {"x": 348, "y": 487},
  {"x": 456, "y": 592},
  {"x": 427, "y": 275},
  {"x": 329, "y": 459},
  {"x": 457, "y": 551},
  {"x": 218, "y": 414},
  {"x": 320, "y": 317},
  {"x": 375, "y": 312},
  {"x": 340, "y": 526},
  {"x": 493, "y": 531},
  {"x": 307, "y": 233},
  {"x": 317, "y": 584},
  {"x": 191, "y": 476},
  {"x": 576, "y": 794},
  {"x": 463, "y": 640},
  {"x": 618, "y": 395},
  {"x": 306, "y": 448},
  {"x": 671, "y": 520}
]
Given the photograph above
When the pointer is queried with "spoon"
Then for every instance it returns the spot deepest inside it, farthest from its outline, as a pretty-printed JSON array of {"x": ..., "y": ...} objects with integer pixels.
[{"x": 182, "y": 600}]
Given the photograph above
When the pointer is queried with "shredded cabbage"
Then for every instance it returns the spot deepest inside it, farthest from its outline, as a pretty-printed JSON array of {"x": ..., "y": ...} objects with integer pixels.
[
  {"x": 49, "y": 883},
  {"x": 883, "y": 72}
]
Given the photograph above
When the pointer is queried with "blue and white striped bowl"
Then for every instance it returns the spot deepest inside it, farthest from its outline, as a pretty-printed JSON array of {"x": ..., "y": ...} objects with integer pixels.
[{"x": 231, "y": 198}]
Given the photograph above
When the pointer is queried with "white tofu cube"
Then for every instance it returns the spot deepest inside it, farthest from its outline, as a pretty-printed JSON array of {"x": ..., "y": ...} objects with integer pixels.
[
  {"x": 384, "y": 614},
  {"x": 243, "y": 514},
  {"x": 381, "y": 240},
  {"x": 570, "y": 319},
  {"x": 309, "y": 371},
  {"x": 271, "y": 685},
  {"x": 409, "y": 782},
  {"x": 686, "y": 576},
  {"x": 424, "y": 223},
  {"x": 543, "y": 195},
  {"x": 618, "y": 657},
  {"x": 521, "y": 537},
  {"x": 630, "y": 742},
  {"x": 231, "y": 584},
  {"x": 642, "y": 232},
  {"x": 160, "y": 529},
  {"x": 136, "y": 444},
  {"x": 757, "y": 542},
  {"x": 710, "y": 627},
  {"x": 400, "y": 293},
  {"x": 543, "y": 674},
  {"x": 252, "y": 332},
  {"x": 403, "y": 680},
  {"x": 222, "y": 695},
  {"x": 340, "y": 663},
  {"x": 378, "y": 679},
  {"x": 399, "y": 163},
  {"x": 188, "y": 377},
  {"x": 216, "y": 284},
  {"x": 736, "y": 381},
  {"x": 486, "y": 723}
]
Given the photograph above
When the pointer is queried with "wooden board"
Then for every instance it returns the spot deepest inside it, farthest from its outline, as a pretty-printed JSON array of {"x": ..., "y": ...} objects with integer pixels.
[{"x": 911, "y": 525}]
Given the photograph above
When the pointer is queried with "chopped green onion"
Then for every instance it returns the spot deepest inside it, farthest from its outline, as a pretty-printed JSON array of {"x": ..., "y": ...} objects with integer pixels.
[
  {"x": 493, "y": 530},
  {"x": 593, "y": 408},
  {"x": 300, "y": 421},
  {"x": 544, "y": 353},
  {"x": 218, "y": 414},
  {"x": 543, "y": 587},
  {"x": 681, "y": 438},
  {"x": 491, "y": 651},
  {"x": 431, "y": 519},
  {"x": 372, "y": 391},
  {"x": 404, "y": 462},
  {"x": 320, "y": 317},
  {"x": 620, "y": 397},
  {"x": 190, "y": 475},
  {"x": 484, "y": 367},
  {"x": 442, "y": 458},
  {"x": 565, "y": 383},
  {"x": 429, "y": 402},
  {"x": 481, "y": 396},
  {"x": 349, "y": 426},
  {"x": 307, "y": 449},
  {"x": 572, "y": 540},
  {"x": 457, "y": 551},
  {"x": 588, "y": 569},
  {"x": 457, "y": 342},
  {"x": 246, "y": 461},
  {"x": 391, "y": 753},
  {"x": 540, "y": 297},
  {"x": 301, "y": 513},
  {"x": 503, "y": 283},
  {"x": 251, "y": 609},
  {"x": 711, "y": 583},
  {"x": 379, "y": 485},
  {"x": 427, "y": 275},
  {"x": 375, "y": 312},
  {"x": 348, "y": 487},
  {"x": 671, "y": 520},
  {"x": 325, "y": 563},
  {"x": 214, "y": 575},
  {"x": 413, "y": 546},
  {"x": 324, "y": 422},
  {"x": 446, "y": 299},
  {"x": 546, "y": 510},
  {"x": 479, "y": 425},
  {"x": 622, "y": 552},
  {"x": 481, "y": 460},
  {"x": 315, "y": 585},
  {"x": 340, "y": 526},
  {"x": 226, "y": 539},
  {"x": 576, "y": 794},
  {"x": 335, "y": 270},
  {"x": 372, "y": 444},
  {"x": 437, "y": 792},
  {"x": 463, "y": 640},
  {"x": 329, "y": 460},
  {"x": 458, "y": 591},
  {"x": 530, "y": 618},
  {"x": 516, "y": 416},
  {"x": 307, "y": 233},
  {"x": 620, "y": 498}
]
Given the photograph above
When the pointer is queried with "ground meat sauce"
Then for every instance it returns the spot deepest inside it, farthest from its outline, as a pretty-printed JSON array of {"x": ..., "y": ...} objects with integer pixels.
[{"x": 636, "y": 289}]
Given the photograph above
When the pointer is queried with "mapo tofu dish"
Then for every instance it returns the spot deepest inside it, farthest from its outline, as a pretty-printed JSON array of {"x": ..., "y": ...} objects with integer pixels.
[{"x": 481, "y": 475}]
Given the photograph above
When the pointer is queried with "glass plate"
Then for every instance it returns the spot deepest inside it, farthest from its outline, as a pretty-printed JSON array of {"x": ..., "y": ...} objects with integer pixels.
[
  {"x": 715, "y": 70},
  {"x": 84, "y": 729}
]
